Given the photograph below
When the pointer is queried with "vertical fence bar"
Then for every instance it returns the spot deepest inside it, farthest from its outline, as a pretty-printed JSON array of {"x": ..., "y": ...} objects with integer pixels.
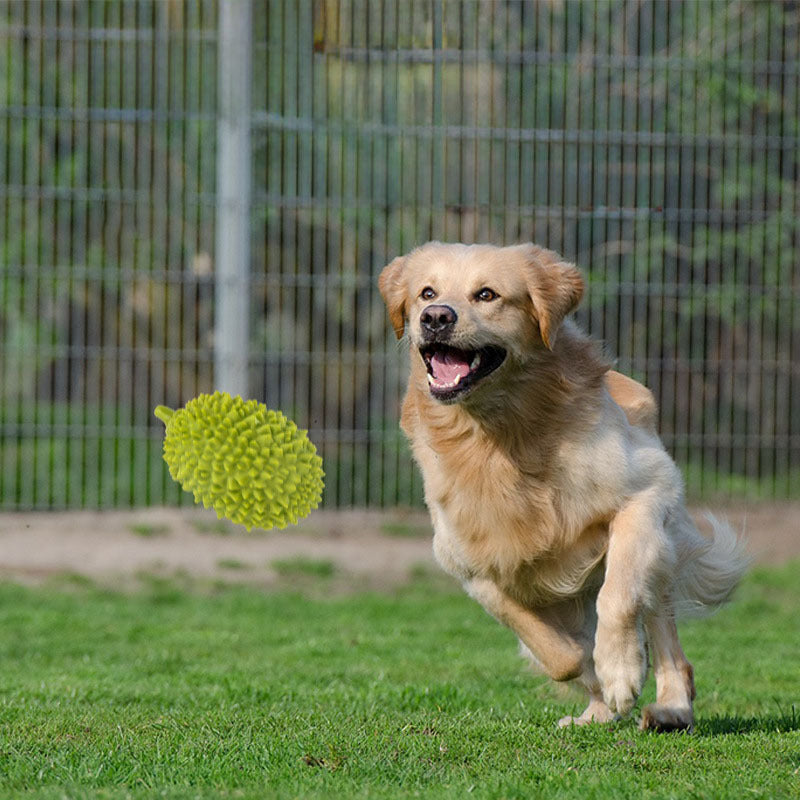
[
  {"x": 234, "y": 168},
  {"x": 437, "y": 221}
]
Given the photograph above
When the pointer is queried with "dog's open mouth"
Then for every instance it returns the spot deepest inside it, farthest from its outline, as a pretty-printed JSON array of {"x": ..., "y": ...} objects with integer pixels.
[{"x": 452, "y": 372}]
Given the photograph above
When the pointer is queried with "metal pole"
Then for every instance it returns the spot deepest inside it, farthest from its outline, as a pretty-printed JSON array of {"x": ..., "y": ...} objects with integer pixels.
[{"x": 232, "y": 261}]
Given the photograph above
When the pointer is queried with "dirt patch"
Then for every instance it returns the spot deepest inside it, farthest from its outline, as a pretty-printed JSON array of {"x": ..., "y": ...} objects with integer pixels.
[
  {"x": 364, "y": 548},
  {"x": 772, "y": 530},
  {"x": 372, "y": 549}
]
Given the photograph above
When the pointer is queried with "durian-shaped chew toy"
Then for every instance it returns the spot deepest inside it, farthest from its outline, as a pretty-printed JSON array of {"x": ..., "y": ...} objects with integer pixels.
[{"x": 249, "y": 463}]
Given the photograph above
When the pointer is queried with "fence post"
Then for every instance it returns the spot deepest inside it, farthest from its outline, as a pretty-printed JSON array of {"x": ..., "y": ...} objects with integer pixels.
[{"x": 234, "y": 170}]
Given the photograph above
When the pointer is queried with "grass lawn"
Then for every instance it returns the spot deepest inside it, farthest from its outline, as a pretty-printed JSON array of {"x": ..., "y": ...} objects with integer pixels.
[{"x": 233, "y": 692}]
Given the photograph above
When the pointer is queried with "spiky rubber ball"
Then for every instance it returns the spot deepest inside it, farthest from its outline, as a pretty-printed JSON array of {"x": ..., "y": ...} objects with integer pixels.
[{"x": 249, "y": 463}]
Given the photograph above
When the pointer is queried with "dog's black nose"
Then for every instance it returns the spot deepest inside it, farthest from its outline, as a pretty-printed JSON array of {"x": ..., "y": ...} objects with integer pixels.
[{"x": 435, "y": 319}]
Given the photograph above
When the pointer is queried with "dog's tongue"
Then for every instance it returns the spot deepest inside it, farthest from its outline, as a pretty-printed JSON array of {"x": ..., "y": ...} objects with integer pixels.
[{"x": 447, "y": 365}]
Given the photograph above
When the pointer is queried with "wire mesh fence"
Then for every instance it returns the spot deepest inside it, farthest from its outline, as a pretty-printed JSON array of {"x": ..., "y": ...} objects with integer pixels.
[{"x": 657, "y": 144}]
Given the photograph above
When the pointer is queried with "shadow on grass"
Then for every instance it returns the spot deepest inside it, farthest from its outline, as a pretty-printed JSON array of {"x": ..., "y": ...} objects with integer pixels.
[{"x": 774, "y": 723}]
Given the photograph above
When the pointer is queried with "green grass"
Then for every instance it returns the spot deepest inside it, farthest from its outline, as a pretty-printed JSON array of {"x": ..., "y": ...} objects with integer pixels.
[
  {"x": 233, "y": 563},
  {"x": 406, "y": 530},
  {"x": 220, "y": 527},
  {"x": 147, "y": 531},
  {"x": 298, "y": 566},
  {"x": 417, "y": 693}
]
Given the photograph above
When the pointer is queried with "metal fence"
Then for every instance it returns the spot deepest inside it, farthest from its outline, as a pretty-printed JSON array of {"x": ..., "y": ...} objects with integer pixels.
[{"x": 657, "y": 144}]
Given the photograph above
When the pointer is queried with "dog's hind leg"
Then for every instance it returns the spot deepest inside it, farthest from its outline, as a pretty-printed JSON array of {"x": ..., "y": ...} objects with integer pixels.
[
  {"x": 596, "y": 711},
  {"x": 674, "y": 678}
]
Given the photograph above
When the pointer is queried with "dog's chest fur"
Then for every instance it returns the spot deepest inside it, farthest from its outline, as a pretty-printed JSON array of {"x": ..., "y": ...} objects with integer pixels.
[{"x": 494, "y": 515}]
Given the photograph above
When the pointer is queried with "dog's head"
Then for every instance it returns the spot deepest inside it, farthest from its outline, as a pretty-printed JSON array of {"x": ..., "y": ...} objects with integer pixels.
[{"x": 475, "y": 311}]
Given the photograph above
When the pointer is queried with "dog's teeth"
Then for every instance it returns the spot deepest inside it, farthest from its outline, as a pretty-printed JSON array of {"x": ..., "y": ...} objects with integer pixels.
[
  {"x": 430, "y": 379},
  {"x": 475, "y": 361},
  {"x": 455, "y": 382}
]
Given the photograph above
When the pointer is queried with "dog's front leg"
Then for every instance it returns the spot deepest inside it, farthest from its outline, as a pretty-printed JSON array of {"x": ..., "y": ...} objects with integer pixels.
[
  {"x": 560, "y": 654},
  {"x": 638, "y": 561}
]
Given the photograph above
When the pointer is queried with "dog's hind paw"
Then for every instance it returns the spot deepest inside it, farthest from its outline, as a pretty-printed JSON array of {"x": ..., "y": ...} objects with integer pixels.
[
  {"x": 663, "y": 719},
  {"x": 596, "y": 711}
]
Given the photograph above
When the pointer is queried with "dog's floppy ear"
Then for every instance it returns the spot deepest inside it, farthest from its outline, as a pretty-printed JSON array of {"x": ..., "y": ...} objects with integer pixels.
[
  {"x": 555, "y": 287},
  {"x": 394, "y": 294}
]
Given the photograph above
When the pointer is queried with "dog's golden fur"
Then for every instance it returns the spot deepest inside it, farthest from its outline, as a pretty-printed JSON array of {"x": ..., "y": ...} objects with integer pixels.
[{"x": 551, "y": 496}]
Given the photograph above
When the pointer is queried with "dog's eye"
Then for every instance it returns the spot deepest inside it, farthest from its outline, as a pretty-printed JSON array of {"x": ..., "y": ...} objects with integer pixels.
[
  {"x": 486, "y": 295},
  {"x": 427, "y": 293}
]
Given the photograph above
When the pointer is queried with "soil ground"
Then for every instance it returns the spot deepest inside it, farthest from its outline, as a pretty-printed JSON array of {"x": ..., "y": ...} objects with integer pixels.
[{"x": 370, "y": 549}]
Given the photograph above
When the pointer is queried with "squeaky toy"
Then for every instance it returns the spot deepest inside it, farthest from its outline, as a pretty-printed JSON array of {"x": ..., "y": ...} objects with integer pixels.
[{"x": 249, "y": 463}]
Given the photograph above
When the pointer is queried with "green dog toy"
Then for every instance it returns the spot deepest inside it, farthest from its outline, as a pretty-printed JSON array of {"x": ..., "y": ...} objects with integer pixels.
[{"x": 249, "y": 463}]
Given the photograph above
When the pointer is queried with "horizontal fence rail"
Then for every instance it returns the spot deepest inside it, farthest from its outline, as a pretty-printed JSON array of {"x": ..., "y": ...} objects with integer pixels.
[{"x": 656, "y": 144}]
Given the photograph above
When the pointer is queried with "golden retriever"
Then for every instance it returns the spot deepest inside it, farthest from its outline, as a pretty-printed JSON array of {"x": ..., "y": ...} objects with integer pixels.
[{"x": 551, "y": 495}]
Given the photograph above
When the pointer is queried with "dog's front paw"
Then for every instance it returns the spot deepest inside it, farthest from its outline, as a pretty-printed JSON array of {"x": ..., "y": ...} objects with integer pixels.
[{"x": 621, "y": 666}]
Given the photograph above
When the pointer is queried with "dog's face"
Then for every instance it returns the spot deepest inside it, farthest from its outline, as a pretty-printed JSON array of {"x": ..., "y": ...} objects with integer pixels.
[{"x": 474, "y": 312}]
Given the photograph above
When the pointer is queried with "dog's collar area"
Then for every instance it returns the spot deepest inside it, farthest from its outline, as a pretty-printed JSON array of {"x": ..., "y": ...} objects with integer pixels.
[{"x": 452, "y": 371}]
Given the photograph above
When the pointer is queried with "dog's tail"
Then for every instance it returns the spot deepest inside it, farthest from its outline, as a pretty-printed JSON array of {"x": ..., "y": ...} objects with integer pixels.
[{"x": 714, "y": 566}]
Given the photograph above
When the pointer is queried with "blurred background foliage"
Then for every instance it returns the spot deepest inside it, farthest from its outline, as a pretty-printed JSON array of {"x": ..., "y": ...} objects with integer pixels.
[{"x": 656, "y": 143}]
